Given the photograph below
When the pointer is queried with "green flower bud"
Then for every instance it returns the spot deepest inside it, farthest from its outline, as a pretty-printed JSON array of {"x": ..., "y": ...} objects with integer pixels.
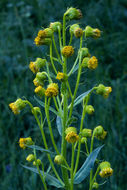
[
  {"x": 95, "y": 185},
  {"x": 73, "y": 13},
  {"x": 36, "y": 110},
  {"x": 30, "y": 158},
  {"x": 76, "y": 30},
  {"x": 40, "y": 62},
  {"x": 86, "y": 133},
  {"x": 20, "y": 103},
  {"x": 46, "y": 33},
  {"x": 84, "y": 52},
  {"x": 90, "y": 109},
  {"x": 99, "y": 132},
  {"x": 41, "y": 76},
  {"x": 83, "y": 140},
  {"x": 73, "y": 27},
  {"x": 106, "y": 169},
  {"x": 70, "y": 129},
  {"x": 40, "y": 91},
  {"x": 92, "y": 32},
  {"x": 59, "y": 159},
  {"x": 55, "y": 25},
  {"x": 37, "y": 162},
  {"x": 104, "y": 91}
]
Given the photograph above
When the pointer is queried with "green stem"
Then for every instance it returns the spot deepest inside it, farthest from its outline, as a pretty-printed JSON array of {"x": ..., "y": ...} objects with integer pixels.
[
  {"x": 60, "y": 42},
  {"x": 64, "y": 30},
  {"x": 90, "y": 188},
  {"x": 72, "y": 166},
  {"x": 49, "y": 124},
  {"x": 46, "y": 147},
  {"x": 71, "y": 37},
  {"x": 56, "y": 49},
  {"x": 69, "y": 89},
  {"x": 51, "y": 58},
  {"x": 81, "y": 126}
]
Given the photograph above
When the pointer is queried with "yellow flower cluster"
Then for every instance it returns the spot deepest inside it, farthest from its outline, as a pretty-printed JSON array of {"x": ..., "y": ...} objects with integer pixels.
[
  {"x": 52, "y": 90},
  {"x": 25, "y": 141},
  {"x": 72, "y": 137},
  {"x": 92, "y": 63},
  {"x": 67, "y": 51}
]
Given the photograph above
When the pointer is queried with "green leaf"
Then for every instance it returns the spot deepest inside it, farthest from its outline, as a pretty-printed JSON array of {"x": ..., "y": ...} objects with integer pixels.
[
  {"x": 43, "y": 105},
  {"x": 82, "y": 96},
  {"x": 59, "y": 125},
  {"x": 39, "y": 148},
  {"x": 49, "y": 178},
  {"x": 84, "y": 171}
]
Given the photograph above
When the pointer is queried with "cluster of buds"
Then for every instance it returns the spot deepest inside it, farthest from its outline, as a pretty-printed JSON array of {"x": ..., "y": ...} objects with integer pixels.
[
  {"x": 37, "y": 65},
  {"x": 17, "y": 106},
  {"x": 24, "y": 142},
  {"x": 100, "y": 133},
  {"x": 76, "y": 30},
  {"x": 71, "y": 135},
  {"x": 32, "y": 158},
  {"x": 106, "y": 169},
  {"x": 92, "y": 32},
  {"x": 103, "y": 90},
  {"x": 90, "y": 63},
  {"x": 44, "y": 37}
]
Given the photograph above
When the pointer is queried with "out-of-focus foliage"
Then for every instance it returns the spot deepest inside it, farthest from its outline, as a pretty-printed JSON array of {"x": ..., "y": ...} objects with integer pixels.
[{"x": 19, "y": 23}]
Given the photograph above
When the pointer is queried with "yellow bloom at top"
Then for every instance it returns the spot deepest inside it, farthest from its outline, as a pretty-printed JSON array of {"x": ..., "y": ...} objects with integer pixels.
[
  {"x": 52, "y": 90},
  {"x": 92, "y": 63},
  {"x": 67, "y": 51}
]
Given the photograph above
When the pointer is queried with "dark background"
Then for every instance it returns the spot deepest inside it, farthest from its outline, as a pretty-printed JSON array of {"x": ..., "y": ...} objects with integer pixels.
[{"x": 19, "y": 23}]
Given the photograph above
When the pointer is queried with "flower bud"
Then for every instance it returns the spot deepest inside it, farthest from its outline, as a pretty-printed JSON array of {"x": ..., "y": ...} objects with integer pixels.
[
  {"x": 95, "y": 185},
  {"x": 40, "y": 91},
  {"x": 30, "y": 158},
  {"x": 46, "y": 33},
  {"x": 36, "y": 110},
  {"x": 91, "y": 63},
  {"x": 92, "y": 32},
  {"x": 70, "y": 129},
  {"x": 84, "y": 52},
  {"x": 55, "y": 25},
  {"x": 59, "y": 159},
  {"x": 42, "y": 41},
  {"x": 37, "y": 162},
  {"x": 99, "y": 132},
  {"x": 17, "y": 106},
  {"x": 67, "y": 51},
  {"x": 52, "y": 90},
  {"x": 61, "y": 76},
  {"x": 25, "y": 141},
  {"x": 83, "y": 140},
  {"x": 86, "y": 133},
  {"x": 37, "y": 65},
  {"x": 106, "y": 169},
  {"x": 72, "y": 137},
  {"x": 73, "y": 13},
  {"x": 104, "y": 91},
  {"x": 90, "y": 109},
  {"x": 76, "y": 30}
]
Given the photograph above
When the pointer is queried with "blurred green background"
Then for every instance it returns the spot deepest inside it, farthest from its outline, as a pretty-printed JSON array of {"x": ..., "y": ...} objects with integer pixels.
[{"x": 19, "y": 23}]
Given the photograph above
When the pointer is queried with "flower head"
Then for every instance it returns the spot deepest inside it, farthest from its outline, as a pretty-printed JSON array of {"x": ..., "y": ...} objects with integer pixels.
[
  {"x": 17, "y": 106},
  {"x": 59, "y": 159},
  {"x": 90, "y": 109},
  {"x": 52, "y": 90},
  {"x": 92, "y": 32},
  {"x": 104, "y": 91},
  {"x": 30, "y": 157},
  {"x": 73, "y": 13},
  {"x": 37, "y": 65},
  {"x": 86, "y": 133},
  {"x": 61, "y": 76},
  {"x": 67, "y": 51},
  {"x": 76, "y": 30},
  {"x": 71, "y": 135},
  {"x": 100, "y": 133},
  {"x": 42, "y": 41},
  {"x": 25, "y": 141},
  {"x": 40, "y": 91},
  {"x": 55, "y": 26},
  {"x": 106, "y": 169}
]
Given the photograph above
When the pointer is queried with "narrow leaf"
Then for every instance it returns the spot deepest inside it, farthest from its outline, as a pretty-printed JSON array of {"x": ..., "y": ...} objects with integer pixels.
[
  {"x": 81, "y": 97},
  {"x": 43, "y": 105},
  {"x": 49, "y": 178},
  {"x": 84, "y": 171},
  {"x": 39, "y": 148},
  {"x": 59, "y": 125}
]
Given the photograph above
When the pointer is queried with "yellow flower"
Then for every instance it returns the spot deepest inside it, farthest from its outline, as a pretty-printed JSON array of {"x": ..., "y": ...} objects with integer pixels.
[
  {"x": 42, "y": 41},
  {"x": 106, "y": 169},
  {"x": 108, "y": 90},
  {"x": 72, "y": 137},
  {"x": 37, "y": 65},
  {"x": 14, "y": 108},
  {"x": 92, "y": 63},
  {"x": 46, "y": 33},
  {"x": 52, "y": 90},
  {"x": 67, "y": 51},
  {"x": 40, "y": 91},
  {"x": 25, "y": 141},
  {"x": 33, "y": 67},
  {"x": 92, "y": 32},
  {"x": 97, "y": 33},
  {"x": 103, "y": 90},
  {"x": 61, "y": 76},
  {"x": 30, "y": 157}
]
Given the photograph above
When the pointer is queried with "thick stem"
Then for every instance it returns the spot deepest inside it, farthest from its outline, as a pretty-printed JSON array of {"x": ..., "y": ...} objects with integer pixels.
[{"x": 72, "y": 166}]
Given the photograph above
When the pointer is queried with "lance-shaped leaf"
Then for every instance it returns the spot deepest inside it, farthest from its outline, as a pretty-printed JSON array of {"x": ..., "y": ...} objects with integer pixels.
[
  {"x": 59, "y": 125},
  {"x": 82, "y": 96},
  {"x": 84, "y": 171},
  {"x": 51, "y": 180},
  {"x": 39, "y": 148},
  {"x": 43, "y": 105}
]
